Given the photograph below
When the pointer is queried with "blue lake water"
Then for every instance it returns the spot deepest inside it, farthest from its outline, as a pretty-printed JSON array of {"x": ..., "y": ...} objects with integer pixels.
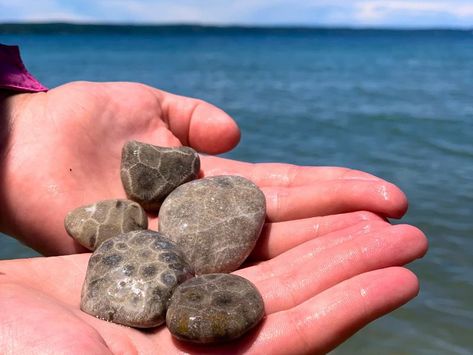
[{"x": 398, "y": 104}]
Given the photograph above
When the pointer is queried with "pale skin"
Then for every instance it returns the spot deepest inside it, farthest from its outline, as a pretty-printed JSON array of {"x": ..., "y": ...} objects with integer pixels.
[{"x": 326, "y": 264}]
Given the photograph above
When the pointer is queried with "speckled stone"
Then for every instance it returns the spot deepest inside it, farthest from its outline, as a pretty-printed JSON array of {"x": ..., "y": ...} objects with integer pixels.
[
  {"x": 130, "y": 279},
  {"x": 91, "y": 225},
  {"x": 215, "y": 221},
  {"x": 214, "y": 308},
  {"x": 149, "y": 173}
]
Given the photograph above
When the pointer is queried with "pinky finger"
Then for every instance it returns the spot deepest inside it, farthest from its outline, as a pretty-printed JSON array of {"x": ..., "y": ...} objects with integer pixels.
[{"x": 329, "y": 318}]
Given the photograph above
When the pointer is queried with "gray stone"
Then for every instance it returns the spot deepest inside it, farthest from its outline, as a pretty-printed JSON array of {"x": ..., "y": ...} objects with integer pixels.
[
  {"x": 149, "y": 173},
  {"x": 214, "y": 308},
  {"x": 215, "y": 221},
  {"x": 130, "y": 279},
  {"x": 91, "y": 225}
]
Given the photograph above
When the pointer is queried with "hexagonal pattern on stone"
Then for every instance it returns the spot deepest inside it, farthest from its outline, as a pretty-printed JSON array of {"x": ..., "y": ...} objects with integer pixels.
[
  {"x": 130, "y": 279},
  {"x": 149, "y": 173},
  {"x": 214, "y": 308},
  {"x": 91, "y": 225},
  {"x": 215, "y": 221}
]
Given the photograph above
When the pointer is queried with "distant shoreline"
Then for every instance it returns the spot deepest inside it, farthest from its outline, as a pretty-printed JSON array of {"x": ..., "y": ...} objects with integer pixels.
[{"x": 66, "y": 27}]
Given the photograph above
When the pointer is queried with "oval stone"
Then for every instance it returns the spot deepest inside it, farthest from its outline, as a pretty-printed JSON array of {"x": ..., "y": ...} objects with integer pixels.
[
  {"x": 91, "y": 225},
  {"x": 130, "y": 279},
  {"x": 149, "y": 173},
  {"x": 215, "y": 221},
  {"x": 214, "y": 308}
]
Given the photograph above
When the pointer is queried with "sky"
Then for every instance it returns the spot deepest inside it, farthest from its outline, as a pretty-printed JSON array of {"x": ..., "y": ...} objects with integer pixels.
[{"x": 353, "y": 13}]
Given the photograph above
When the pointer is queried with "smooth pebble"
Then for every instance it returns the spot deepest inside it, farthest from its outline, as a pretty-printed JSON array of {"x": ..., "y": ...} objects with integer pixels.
[
  {"x": 215, "y": 221},
  {"x": 149, "y": 173},
  {"x": 91, "y": 225},
  {"x": 130, "y": 279},
  {"x": 214, "y": 308}
]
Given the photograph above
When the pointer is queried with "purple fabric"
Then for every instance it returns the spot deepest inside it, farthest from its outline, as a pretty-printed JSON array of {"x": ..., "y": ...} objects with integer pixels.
[{"x": 13, "y": 74}]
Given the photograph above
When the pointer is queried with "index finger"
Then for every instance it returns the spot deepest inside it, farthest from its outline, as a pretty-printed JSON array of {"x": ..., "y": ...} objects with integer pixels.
[{"x": 295, "y": 192}]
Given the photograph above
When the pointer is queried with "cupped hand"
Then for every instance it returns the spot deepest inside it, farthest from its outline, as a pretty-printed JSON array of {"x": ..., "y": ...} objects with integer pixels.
[
  {"x": 63, "y": 151},
  {"x": 341, "y": 272}
]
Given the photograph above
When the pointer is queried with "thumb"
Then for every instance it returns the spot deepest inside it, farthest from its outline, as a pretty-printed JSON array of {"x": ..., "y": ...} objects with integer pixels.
[{"x": 199, "y": 124}]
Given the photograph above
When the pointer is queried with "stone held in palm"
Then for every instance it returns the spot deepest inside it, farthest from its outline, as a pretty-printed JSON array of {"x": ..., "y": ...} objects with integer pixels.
[
  {"x": 130, "y": 279},
  {"x": 215, "y": 221},
  {"x": 93, "y": 224},
  {"x": 149, "y": 173},
  {"x": 214, "y": 308}
]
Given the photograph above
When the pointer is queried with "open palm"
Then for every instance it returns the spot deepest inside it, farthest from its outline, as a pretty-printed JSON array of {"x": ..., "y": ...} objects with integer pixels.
[
  {"x": 316, "y": 294},
  {"x": 64, "y": 151}
]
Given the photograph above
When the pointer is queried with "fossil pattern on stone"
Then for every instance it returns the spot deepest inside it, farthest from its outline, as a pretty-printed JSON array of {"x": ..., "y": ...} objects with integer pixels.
[
  {"x": 214, "y": 308},
  {"x": 149, "y": 173},
  {"x": 91, "y": 225},
  {"x": 130, "y": 279},
  {"x": 215, "y": 221}
]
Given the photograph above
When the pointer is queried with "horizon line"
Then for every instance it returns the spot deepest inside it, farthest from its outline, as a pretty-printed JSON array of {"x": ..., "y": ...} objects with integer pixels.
[{"x": 239, "y": 26}]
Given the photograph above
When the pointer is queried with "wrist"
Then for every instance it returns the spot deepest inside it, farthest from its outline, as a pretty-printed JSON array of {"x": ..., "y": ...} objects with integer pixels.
[
  {"x": 5, "y": 144},
  {"x": 5, "y": 124},
  {"x": 10, "y": 103}
]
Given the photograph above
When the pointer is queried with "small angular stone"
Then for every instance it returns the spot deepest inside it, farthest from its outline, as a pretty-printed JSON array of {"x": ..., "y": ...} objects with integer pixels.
[
  {"x": 130, "y": 279},
  {"x": 215, "y": 221},
  {"x": 149, "y": 173},
  {"x": 91, "y": 225},
  {"x": 214, "y": 308}
]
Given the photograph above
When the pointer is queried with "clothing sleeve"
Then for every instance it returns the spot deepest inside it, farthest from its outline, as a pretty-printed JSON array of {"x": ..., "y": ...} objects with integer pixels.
[{"x": 13, "y": 74}]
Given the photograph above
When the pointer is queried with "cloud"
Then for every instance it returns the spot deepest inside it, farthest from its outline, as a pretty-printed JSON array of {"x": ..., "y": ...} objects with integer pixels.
[
  {"x": 50, "y": 10},
  {"x": 260, "y": 12},
  {"x": 206, "y": 11},
  {"x": 379, "y": 11}
]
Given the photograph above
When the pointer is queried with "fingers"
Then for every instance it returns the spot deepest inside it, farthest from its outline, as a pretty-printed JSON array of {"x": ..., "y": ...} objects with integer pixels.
[
  {"x": 302, "y": 192},
  {"x": 310, "y": 268},
  {"x": 309, "y": 251},
  {"x": 277, "y": 238},
  {"x": 283, "y": 175},
  {"x": 199, "y": 124},
  {"x": 332, "y": 197},
  {"x": 329, "y": 318}
]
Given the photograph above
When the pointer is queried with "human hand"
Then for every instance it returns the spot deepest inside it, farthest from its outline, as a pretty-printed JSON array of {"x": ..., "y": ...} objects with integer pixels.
[
  {"x": 64, "y": 148},
  {"x": 322, "y": 279}
]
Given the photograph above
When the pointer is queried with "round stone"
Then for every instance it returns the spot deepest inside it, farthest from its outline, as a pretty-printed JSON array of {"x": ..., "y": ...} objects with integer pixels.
[
  {"x": 130, "y": 279},
  {"x": 149, "y": 173},
  {"x": 91, "y": 225},
  {"x": 214, "y": 308},
  {"x": 215, "y": 221}
]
